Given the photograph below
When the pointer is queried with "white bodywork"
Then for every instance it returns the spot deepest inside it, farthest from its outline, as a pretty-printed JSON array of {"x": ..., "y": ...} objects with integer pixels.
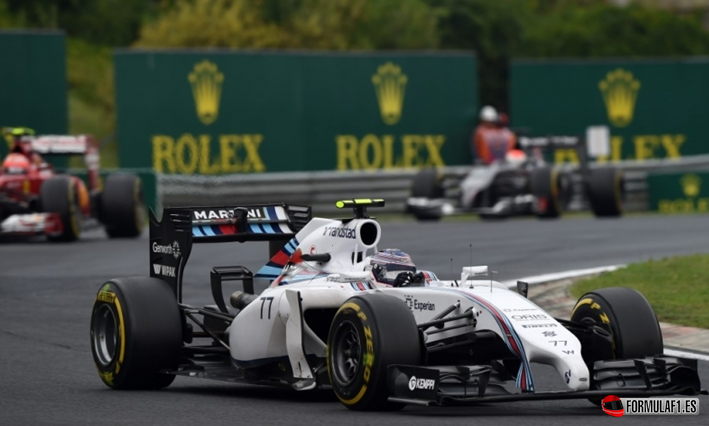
[{"x": 272, "y": 327}]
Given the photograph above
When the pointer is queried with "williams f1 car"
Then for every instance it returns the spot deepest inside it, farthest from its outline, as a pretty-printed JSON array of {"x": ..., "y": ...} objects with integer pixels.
[
  {"x": 342, "y": 315},
  {"x": 524, "y": 184},
  {"x": 36, "y": 200}
]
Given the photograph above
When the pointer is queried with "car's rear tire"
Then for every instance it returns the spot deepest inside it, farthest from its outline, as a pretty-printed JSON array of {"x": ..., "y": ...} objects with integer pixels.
[
  {"x": 368, "y": 334},
  {"x": 545, "y": 185},
  {"x": 122, "y": 206},
  {"x": 427, "y": 184},
  {"x": 59, "y": 195},
  {"x": 605, "y": 191},
  {"x": 136, "y": 331}
]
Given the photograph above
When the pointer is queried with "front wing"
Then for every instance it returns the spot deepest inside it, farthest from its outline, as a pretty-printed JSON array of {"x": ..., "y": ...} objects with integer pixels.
[
  {"x": 32, "y": 224},
  {"x": 469, "y": 385}
]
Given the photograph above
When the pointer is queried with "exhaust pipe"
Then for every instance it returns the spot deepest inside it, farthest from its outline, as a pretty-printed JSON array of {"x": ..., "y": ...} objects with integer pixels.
[{"x": 240, "y": 300}]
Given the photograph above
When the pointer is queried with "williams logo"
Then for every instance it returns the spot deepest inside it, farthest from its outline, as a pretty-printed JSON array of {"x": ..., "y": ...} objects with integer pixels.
[
  {"x": 206, "y": 81},
  {"x": 390, "y": 85},
  {"x": 691, "y": 185},
  {"x": 619, "y": 91}
]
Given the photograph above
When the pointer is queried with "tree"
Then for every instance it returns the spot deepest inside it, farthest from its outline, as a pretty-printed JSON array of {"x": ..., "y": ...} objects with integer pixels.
[{"x": 307, "y": 24}]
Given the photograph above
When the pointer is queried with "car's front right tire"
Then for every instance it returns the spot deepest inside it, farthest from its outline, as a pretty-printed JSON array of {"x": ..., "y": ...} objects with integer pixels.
[
  {"x": 136, "y": 332},
  {"x": 368, "y": 334}
]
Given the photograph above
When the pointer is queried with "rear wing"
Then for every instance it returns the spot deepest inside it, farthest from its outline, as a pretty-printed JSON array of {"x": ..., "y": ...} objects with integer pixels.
[
  {"x": 557, "y": 142},
  {"x": 61, "y": 144},
  {"x": 549, "y": 142},
  {"x": 172, "y": 237},
  {"x": 69, "y": 145}
]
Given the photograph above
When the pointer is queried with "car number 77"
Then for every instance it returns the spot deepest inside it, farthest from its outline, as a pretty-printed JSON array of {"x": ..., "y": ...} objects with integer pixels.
[{"x": 270, "y": 303}]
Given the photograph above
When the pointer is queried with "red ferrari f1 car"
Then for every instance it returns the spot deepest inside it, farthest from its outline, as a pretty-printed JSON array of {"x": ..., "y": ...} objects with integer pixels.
[{"x": 35, "y": 199}]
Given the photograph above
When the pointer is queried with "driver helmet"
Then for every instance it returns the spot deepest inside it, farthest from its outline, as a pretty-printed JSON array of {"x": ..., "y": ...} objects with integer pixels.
[
  {"x": 488, "y": 114},
  {"x": 387, "y": 264},
  {"x": 516, "y": 156},
  {"x": 16, "y": 164}
]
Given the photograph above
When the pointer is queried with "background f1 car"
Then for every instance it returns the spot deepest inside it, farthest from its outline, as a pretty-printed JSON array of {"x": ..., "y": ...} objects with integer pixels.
[
  {"x": 531, "y": 187},
  {"x": 327, "y": 321},
  {"x": 35, "y": 199}
]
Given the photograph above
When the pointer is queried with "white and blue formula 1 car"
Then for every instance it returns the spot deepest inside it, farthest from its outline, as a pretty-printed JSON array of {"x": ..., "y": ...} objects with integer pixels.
[{"x": 341, "y": 314}]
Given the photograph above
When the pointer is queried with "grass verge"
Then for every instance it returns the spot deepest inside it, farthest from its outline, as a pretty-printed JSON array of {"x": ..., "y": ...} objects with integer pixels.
[{"x": 676, "y": 287}]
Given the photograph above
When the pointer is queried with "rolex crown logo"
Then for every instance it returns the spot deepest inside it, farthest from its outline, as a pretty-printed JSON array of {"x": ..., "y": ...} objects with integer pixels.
[
  {"x": 390, "y": 84},
  {"x": 691, "y": 184},
  {"x": 206, "y": 82},
  {"x": 619, "y": 91}
]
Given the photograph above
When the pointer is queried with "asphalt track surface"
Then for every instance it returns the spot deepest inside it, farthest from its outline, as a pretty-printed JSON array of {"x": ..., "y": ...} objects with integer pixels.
[{"x": 46, "y": 292}]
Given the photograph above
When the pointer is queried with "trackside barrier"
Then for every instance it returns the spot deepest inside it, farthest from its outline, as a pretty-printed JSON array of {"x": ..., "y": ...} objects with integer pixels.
[{"x": 321, "y": 189}]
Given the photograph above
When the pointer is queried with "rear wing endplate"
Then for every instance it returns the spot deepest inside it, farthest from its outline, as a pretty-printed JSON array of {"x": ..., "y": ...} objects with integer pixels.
[{"x": 172, "y": 237}]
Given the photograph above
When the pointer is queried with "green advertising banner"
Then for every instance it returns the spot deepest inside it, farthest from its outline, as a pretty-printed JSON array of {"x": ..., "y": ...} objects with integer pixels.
[
  {"x": 653, "y": 108},
  {"x": 216, "y": 112},
  {"x": 33, "y": 88},
  {"x": 679, "y": 192},
  {"x": 33, "y": 82}
]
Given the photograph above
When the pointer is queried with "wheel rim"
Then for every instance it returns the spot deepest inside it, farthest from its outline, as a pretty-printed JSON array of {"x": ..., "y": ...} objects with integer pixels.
[
  {"x": 347, "y": 353},
  {"x": 104, "y": 334}
]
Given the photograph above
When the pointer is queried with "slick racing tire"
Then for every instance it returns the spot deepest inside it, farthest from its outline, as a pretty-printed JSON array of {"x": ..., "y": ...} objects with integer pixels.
[
  {"x": 59, "y": 195},
  {"x": 546, "y": 186},
  {"x": 634, "y": 327},
  {"x": 136, "y": 331},
  {"x": 368, "y": 334},
  {"x": 635, "y": 330},
  {"x": 122, "y": 206},
  {"x": 427, "y": 184},
  {"x": 605, "y": 191}
]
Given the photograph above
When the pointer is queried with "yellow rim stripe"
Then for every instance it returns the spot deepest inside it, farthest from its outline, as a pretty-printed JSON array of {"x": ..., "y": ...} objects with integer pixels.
[
  {"x": 356, "y": 398},
  {"x": 350, "y": 305},
  {"x": 586, "y": 301},
  {"x": 362, "y": 391},
  {"x": 122, "y": 331}
]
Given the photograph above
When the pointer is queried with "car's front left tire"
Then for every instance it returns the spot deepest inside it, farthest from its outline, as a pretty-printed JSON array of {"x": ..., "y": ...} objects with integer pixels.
[
  {"x": 634, "y": 327},
  {"x": 136, "y": 332}
]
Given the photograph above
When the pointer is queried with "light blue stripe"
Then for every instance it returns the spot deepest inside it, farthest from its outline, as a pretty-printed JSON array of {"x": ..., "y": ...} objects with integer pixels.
[
  {"x": 267, "y": 227},
  {"x": 523, "y": 355},
  {"x": 207, "y": 230},
  {"x": 196, "y": 232},
  {"x": 268, "y": 272},
  {"x": 255, "y": 228}
]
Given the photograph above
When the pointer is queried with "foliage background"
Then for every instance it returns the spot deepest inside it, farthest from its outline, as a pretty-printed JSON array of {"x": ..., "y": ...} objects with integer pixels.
[{"x": 497, "y": 30}]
